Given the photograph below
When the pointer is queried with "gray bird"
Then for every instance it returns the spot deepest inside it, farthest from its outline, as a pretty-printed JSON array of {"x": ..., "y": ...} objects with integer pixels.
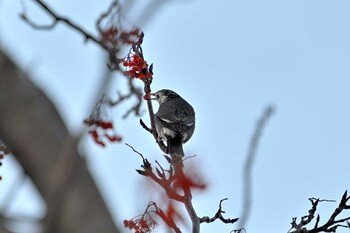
[{"x": 174, "y": 121}]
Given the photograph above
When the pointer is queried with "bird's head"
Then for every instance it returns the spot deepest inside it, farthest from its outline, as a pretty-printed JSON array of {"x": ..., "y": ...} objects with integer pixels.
[{"x": 164, "y": 95}]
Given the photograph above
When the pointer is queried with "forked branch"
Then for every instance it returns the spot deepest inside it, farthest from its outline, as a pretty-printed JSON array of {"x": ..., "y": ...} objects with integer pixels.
[{"x": 332, "y": 223}]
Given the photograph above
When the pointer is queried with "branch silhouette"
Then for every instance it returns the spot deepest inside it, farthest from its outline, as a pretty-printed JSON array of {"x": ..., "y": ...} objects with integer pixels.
[{"x": 249, "y": 162}]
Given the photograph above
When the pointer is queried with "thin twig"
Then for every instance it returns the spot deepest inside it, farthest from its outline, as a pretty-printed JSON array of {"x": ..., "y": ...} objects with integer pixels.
[
  {"x": 143, "y": 158},
  {"x": 147, "y": 91},
  {"x": 218, "y": 215},
  {"x": 137, "y": 92},
  {"x": 114, "y": 5},
  {"x": 57, "y": 18},
  {"x": 330, "y": 226},
  {"x": 133, "y": 92},
  {"x": 145, "y": 126},
  {"x": 247, "y": 170}
]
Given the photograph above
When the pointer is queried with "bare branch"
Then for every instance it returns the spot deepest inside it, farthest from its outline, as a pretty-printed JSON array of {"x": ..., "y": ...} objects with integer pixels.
[
  {"x": 58, "y": 18},
  {"x": 218, "y": 215},
  {"x": 145, "y": 126},
  {"x": 247, "y": 170},
  {"x": 133, "y": 92},
  {"x": 330, "y": 226},
  {"x": 143, "y": 158},
  {"x": 37, "y": 26},
  {"x": 114, "y": 5}
]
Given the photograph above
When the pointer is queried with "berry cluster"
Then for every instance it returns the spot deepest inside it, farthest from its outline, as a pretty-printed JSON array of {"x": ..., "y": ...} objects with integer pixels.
[
  {"x": 101, "y": 126},
  {"x": 113, "y": 35},
  {"x": 140, "y": 225},
  {"x": 100, "y": 123},
  {"x": 137, "y": 67}
]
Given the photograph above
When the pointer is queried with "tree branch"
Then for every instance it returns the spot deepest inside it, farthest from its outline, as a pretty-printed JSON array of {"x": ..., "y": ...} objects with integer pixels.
[
  {"x": 218, "y": 215},
  {"x": 247, "y": 170},
  {"x": 330, "y": 226},
  {"x": 58, "y": 18}
]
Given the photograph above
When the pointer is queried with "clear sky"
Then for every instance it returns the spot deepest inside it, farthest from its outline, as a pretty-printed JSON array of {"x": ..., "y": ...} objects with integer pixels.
[{"x": 229, "y": 59}]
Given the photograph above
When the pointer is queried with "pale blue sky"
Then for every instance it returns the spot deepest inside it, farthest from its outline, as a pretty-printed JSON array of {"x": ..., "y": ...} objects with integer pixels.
[{"x": 229, "y": 59}]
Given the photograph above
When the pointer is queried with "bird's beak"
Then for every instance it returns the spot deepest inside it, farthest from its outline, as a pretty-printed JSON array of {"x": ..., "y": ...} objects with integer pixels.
[{"x": 152, "y": 96}]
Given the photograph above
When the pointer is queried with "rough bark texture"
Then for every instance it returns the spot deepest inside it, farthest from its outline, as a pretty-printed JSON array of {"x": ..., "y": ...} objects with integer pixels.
[{"x": 32, "y": 129}]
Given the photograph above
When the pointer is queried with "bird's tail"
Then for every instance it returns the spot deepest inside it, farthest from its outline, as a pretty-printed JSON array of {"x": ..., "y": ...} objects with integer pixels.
[{"x": 174, "y": 147}]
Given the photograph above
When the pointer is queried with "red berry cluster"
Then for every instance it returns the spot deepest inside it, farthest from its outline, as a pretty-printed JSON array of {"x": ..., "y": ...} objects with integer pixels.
[
  {"x": 140, "y": 225},
  {"x": 110, "y": 34},
  {"x": 101, "y": 125},
  {"x": 137, "y": 67},
  {"x": 117, "y": 36},
  {"x": 130, "y": 37}
]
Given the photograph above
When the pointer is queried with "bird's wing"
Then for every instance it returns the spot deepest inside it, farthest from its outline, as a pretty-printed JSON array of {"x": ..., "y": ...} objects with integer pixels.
[
  {"x": 177, "y": 111},
  {"x": 176, "y": 115}
]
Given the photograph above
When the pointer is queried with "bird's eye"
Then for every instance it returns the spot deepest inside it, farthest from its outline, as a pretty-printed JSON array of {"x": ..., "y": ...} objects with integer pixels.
[{"x": 157, "y": 96}]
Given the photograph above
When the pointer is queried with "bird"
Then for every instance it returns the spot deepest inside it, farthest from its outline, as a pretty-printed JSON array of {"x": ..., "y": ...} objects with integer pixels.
[{"x": 174, "y": 120}]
